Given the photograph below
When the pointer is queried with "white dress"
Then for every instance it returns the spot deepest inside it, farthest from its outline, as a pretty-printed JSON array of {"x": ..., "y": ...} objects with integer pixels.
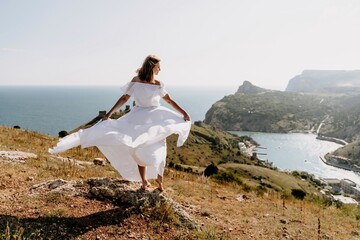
[{"x": 138, "y": 137}]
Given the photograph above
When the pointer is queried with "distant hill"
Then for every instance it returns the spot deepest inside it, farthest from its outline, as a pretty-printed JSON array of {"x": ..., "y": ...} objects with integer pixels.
[
  {"x": 256, "y": 109},
  {"x": 269, "y": 111},
  {"x": 329, "y": 81}
]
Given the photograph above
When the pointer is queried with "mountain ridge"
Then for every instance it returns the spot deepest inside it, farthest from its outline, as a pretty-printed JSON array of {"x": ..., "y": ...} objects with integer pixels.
[{"x": 326, "y": 81}]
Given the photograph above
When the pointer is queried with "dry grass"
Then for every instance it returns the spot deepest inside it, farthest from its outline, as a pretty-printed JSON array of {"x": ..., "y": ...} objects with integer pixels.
[
  {"x": 271, "y": 216},
  {"x": 223, "y": 211}
]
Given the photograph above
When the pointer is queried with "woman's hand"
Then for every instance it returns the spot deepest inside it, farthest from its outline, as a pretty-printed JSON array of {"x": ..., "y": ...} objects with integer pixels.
[
  {"x": 186, "y": 117},
  {"x": 105, "y": 117}
]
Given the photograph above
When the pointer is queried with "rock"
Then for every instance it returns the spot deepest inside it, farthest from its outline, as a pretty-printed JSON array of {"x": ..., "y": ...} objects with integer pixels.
[
  {"x": 119, "y": 192},
  {"x": 221, "y": 197},
  {"x": 283, "y": 221},
  {"x": 71, "y": 161},
  {"x": 57, "y": 183},
  {"x": 69, "y": 188},
  {"x": 16, "y": 156},
  {"x": 166, "y": 227},
  {"x": 249, "y": 88},
  {"x": 242, "y": 197},
  {"x": 29, "y": 179},
  {"x": 99, "y": 161}
]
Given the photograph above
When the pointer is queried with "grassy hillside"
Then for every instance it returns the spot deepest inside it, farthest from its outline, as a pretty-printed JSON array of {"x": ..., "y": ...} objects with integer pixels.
[
  {"x": 241, "y": 202},
  {"x": 270, "y": 112}
]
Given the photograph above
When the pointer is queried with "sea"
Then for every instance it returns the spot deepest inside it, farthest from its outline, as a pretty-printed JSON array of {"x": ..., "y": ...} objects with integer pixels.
[{"x": 51, "y": 109}]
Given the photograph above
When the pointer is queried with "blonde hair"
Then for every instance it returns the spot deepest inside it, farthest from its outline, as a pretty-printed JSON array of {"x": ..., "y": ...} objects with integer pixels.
[{"x": 145, "y": 73}]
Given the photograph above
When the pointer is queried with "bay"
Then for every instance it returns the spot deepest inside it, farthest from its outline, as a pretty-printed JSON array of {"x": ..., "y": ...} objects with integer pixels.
[{"x": 299, "y": 151}]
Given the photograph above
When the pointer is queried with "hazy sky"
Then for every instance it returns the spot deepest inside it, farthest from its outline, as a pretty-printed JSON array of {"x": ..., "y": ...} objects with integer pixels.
[{"x": 200, "y": 42}]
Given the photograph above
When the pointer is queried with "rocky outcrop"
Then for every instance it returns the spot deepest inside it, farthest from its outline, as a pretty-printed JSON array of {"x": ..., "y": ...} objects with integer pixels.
[
  {"x": 16, "y": 156},
  {"x": 248, "y": 88},
  {"x": 119, "y": 192}
]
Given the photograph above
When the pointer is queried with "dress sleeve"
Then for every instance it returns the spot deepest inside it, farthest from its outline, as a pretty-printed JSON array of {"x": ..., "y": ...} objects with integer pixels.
[
  {"x": 128, "y": 88},
  {"x": 163, "y": 91}
]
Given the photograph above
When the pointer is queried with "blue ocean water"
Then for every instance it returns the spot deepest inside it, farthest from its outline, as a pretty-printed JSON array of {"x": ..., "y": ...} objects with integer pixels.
[{"x": 50, "y": 110}]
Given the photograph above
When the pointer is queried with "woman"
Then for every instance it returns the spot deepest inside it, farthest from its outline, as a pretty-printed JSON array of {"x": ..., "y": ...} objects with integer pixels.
[{"x": 135, "y": 144}]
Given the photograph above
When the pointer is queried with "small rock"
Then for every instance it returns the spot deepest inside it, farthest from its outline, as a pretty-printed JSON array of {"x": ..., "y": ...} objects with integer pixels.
[
  {"x": 354, "y": 233},
  {"x": 221, "y": 197},
  {"x": 29, "y": 179},
  {"x": 166, "y": 227},
  {"x": 240, "y": 198},
  {"x": 99, "y": 161},
  {"x": 56, "y": 183},
  {"x": 284, "y": 221}
]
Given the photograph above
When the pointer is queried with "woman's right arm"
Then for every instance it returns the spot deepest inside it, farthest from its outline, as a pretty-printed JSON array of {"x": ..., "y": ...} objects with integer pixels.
[
  {"x": 170, "y": 101},
  {"x": 122, "y": 100}
]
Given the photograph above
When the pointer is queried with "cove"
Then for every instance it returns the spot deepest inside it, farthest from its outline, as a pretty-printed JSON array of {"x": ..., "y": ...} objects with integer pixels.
[{"x": 298, "y": 151}]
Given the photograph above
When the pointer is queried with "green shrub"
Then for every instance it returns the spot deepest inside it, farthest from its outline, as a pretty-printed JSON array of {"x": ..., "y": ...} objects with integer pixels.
[
  {"x": 171, "y": 164},
  {"x": 63, "y": 133},
  {"x": 228, "y": 176},
  {"x": 211, "y": 170},
  {"x": 179, "y": 167},
  {"x": 298, "y": 193}
]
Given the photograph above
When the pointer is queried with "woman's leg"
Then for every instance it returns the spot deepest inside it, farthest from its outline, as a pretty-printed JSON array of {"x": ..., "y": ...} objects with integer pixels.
[
  {"x": 142, "y": 171},
  {"x": 159, "y": 180}
]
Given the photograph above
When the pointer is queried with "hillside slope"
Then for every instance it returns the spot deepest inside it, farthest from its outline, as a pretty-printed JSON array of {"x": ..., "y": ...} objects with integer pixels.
[
  {"x": 258, "y": 205},
  {"x": 270, "y": 111}
]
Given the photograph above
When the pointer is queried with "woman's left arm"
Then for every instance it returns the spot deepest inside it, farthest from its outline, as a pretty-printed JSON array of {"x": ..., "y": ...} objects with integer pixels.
[{"x": 170, "y": 101}]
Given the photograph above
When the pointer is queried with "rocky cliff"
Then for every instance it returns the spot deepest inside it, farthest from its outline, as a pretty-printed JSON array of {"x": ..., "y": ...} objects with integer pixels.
[
  {"x": 269, "y": 111},
  {"x": 249, "y": 88}
]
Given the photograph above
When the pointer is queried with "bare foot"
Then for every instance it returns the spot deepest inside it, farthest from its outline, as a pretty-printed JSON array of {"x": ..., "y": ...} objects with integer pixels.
[
  {"x": 145, "y": 185},
  {"x": 160, "y": 185}
]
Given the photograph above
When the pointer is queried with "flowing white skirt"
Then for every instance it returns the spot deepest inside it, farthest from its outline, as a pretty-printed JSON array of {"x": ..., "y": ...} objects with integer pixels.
[{"x": 137, "y": 138}]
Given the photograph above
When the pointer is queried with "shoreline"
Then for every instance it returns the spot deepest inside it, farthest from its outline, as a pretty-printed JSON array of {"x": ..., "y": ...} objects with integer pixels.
[
  {"x": 342, "y": 166},
  {"x": 332, "y": 139}
]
